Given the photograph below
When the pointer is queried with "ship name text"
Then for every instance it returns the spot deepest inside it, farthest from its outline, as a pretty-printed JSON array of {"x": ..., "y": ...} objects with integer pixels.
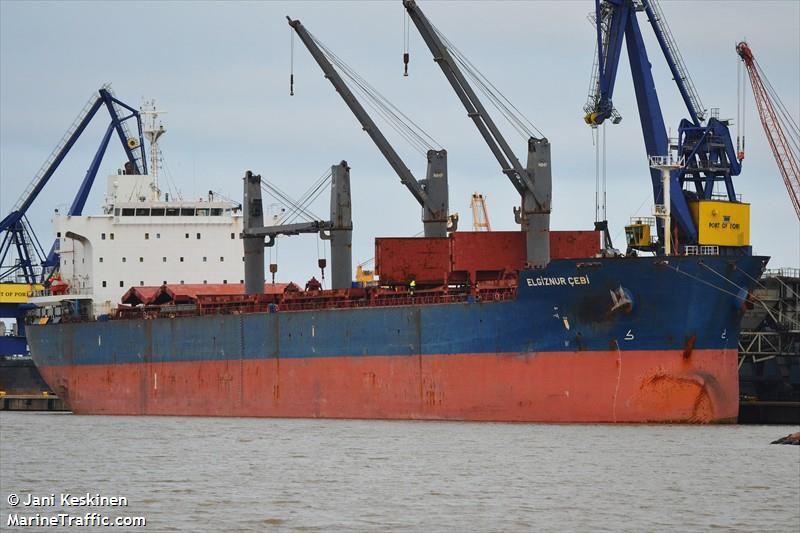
[{"x": 546, "y": 281}]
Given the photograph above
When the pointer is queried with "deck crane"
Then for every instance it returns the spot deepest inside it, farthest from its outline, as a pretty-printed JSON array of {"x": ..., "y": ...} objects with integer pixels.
[
  {"x": 786, "y": 151},
  {"x": 339, "y": 228},
  {"x": 533, "y": 182},
  {"x": 432, "y": 192},
  {"x": 704, "y": 148},
  {"x": 14, "y": 227}
]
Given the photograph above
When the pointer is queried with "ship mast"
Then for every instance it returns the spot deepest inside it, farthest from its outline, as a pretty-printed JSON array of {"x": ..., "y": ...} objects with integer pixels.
[{"x": 153, "y": 130}]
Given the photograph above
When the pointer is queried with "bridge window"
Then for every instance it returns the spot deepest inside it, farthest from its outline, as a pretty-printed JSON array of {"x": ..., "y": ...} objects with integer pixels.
[
  {"x": 104, "y": 284},
  {"x": 157, "y": 212},
  {"x": 142, "y": 211},
  {"x": 216, "y": 212},
  {"x": 187, "y": 211},
  {"x": 102, "y": 236},
  {"x": 146, "y": 236},
  {"x": 128, "y": 211},
  {"x": 173, "y": 211}
]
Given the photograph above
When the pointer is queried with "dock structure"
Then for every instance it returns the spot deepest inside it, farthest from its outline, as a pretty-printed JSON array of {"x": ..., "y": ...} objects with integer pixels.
[
  {"x": 769, "y": 351},
  {"x": 31, "y": 402},
  {"x": 19, "y": 376}
]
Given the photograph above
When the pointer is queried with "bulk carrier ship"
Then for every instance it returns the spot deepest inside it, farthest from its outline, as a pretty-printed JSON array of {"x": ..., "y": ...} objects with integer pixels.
[
  {"x": 600, "y": 340},
  {"x": 534, "y": 326}
]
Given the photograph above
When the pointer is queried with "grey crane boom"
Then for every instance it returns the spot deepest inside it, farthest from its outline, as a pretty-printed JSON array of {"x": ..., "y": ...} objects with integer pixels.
[
  {"x": 475, "y": 109},
  {"x": 533, "y": 182},
  {"x": 432, "y": 192},
  {"x": 358, "y": 110}
]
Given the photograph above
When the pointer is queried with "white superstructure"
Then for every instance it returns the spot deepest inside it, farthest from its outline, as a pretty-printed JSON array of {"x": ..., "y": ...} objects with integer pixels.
[
  {"x": 149, "y": 243},
  {"x": 142, "y": 239}
]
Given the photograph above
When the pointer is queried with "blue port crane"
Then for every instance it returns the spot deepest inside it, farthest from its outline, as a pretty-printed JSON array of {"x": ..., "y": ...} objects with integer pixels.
[
  {"x": 704, "y": 145},
  {"x": 29, "y": 263}
]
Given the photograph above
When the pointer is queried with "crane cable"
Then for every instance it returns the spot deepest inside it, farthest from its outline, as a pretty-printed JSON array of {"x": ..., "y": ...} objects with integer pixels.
[
  {"x": 510, "y": 112},
  {"x": 596, "y": 143},
  {"x": 291, "y": 62},
  {"x": 417, "y": 139},
  {"x": 413, "y": 134},
  {"x": 777, "y": 99},
  {"x": 283, "y": 199},
  {"x": 600, "y": 190},
  {"x": 784, "y": 116},
  {"x": 312, "y": 194},
  {"x": 605, "y": 189},
  {"x": 299, "y": 208},
  {"x": 740, "y": 110},
  {"x": 788, "y": 119},
  {"x": 406, "y": 39}
]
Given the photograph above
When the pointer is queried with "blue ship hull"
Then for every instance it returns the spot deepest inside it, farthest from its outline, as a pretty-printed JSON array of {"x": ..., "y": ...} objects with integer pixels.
[{"x": 596, "y": 340}]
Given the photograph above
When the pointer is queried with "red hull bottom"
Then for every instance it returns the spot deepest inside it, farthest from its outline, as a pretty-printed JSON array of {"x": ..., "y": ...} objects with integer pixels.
[{"x": 611, "y": 386}]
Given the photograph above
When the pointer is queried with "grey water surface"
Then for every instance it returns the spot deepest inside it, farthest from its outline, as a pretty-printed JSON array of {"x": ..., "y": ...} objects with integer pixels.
[{"x": 238, "y": 474}]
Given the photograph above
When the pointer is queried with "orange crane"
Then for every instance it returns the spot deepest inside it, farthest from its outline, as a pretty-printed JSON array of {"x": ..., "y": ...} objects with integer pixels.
[
  {"x": 774, "y": 116},
  {"x": 480, "y": 215}
]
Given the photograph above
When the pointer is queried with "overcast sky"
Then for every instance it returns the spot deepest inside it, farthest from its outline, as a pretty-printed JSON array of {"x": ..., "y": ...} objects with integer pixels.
[{"x": 221, "y": 71}]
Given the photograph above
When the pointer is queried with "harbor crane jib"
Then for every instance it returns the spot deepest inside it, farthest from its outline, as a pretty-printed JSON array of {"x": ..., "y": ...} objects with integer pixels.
[
  {"x": 31, "y": 263},
  {"x": 431, "y": 192},
  {"x": 779, "y": 126},
  {"x": 534, "y": 181},
  {"x": 704, "y": 147}
]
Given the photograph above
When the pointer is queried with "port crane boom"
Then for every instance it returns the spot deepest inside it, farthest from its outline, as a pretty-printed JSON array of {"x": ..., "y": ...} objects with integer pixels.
[
  {"x": 532, "y": 182},
  {"x": 432, "y": 192},
  {"x": 15, "y": 230},
  {"x": 786, "y": 153},
  {"x": 704, "y": 146}
]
